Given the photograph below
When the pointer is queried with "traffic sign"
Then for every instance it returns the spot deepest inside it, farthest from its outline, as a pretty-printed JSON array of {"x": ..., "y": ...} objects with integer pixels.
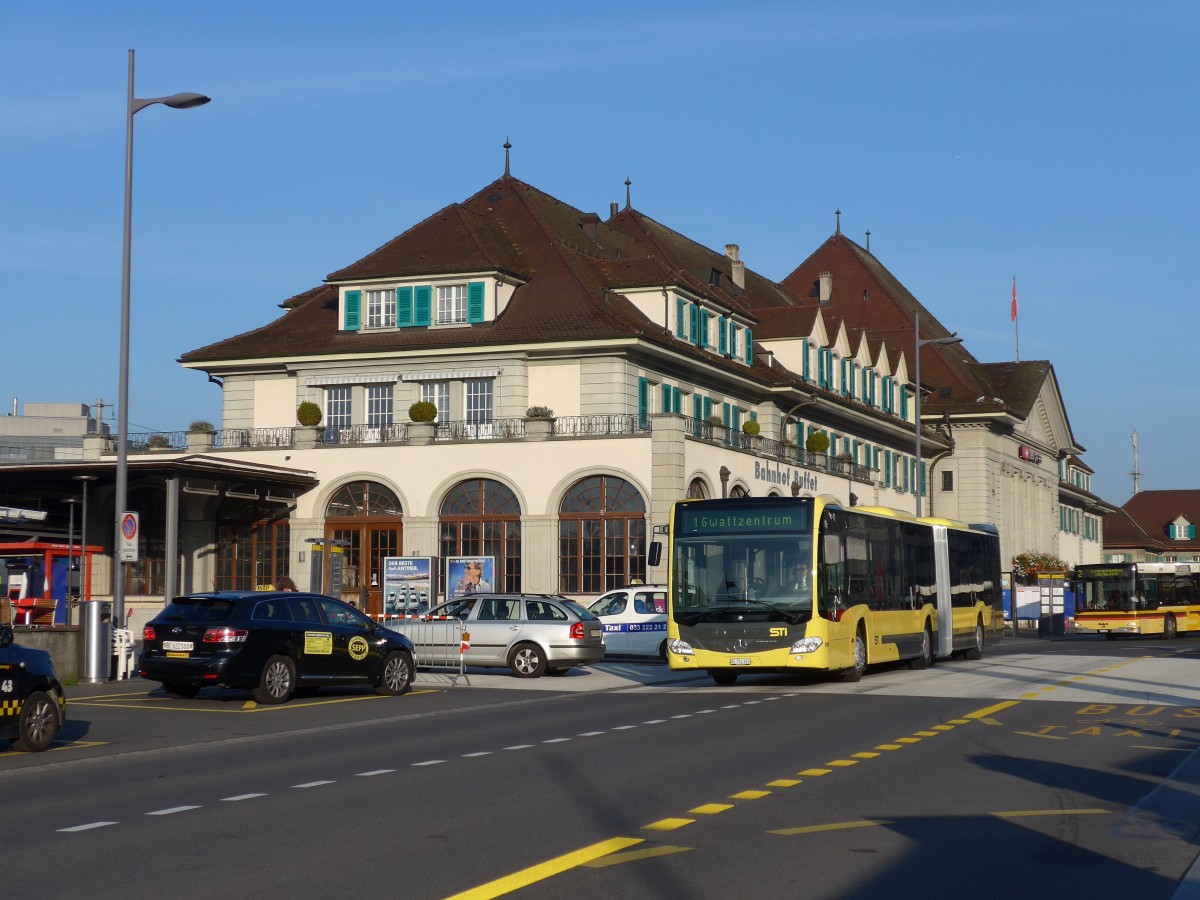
[{"x": 128, "y": 551}]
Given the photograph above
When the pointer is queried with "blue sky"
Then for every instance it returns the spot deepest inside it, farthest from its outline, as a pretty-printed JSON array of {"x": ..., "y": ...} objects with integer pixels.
[{"x": 977, "y": 141}]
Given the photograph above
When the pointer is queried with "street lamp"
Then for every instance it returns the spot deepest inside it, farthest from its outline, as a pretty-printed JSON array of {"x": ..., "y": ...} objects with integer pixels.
[
  {"x": 175, "y": 101},
  {"x": 951, "y": 338},
  {"x": 83, "y": 560},
  {"x": 811, "y": 401}
]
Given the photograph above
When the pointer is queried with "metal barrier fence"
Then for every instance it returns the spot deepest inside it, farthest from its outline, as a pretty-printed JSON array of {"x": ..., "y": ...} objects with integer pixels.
[{"x": 439, "y": 642}]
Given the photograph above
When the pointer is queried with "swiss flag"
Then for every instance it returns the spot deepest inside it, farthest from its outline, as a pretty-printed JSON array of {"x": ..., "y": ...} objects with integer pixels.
[{"x": 1013, "y": 312}]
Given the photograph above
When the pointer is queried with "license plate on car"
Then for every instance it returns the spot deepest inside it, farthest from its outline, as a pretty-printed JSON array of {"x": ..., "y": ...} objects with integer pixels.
[
  {"x": 740, "y": 661},
  {"x": 177, "y": 645},
  {"x": 176, "y": 654}
]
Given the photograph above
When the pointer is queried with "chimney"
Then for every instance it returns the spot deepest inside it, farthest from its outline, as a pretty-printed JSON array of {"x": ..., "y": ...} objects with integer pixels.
[
  {"x": 737, "y": 268},
  {"x": 612, "y": 209},
  {"x": 589, "y": 222},
  {"x": 826, "y": 288}
]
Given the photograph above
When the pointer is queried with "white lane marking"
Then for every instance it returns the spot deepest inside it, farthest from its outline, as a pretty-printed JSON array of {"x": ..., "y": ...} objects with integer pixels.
[
  {"x": 684, "y": 716},
  {"x": 731, "y": 706},
  {"x": 704, "y": 712},
  {"x": 88, "y": 826},
  {"x": 751, "y": 702},
  {"x": 240, "y": 797},
  {"x": 311, "y": 784},
  {"x": 480, "y": 753},
  {"x": 591, "y": 733},
  {"x": 654, "y": 722},
  {"x": 624, "y": 727},
  {"x": 171, "y": 811},
  {"x": 374, "y": 772},
  {"x": 519, "y": 747},
  {"x": 430, "y": 762},
  {"x": 555, "y": 740}
]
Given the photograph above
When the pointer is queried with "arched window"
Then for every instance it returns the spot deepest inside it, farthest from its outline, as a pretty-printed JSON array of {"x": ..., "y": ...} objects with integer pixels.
[
  {"x": 601, "y": 536},
  {"x": 253, "y": 543},
  {"x": 697, "y": 490},
  {"x": 482, "y": 517},
  {"x": 738, "y": 491},
  {"x": 367, "y": 519}
]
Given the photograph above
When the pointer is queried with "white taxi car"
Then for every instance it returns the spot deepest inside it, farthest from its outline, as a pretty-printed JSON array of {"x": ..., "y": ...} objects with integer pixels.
[{"x": 635, "y": 620}]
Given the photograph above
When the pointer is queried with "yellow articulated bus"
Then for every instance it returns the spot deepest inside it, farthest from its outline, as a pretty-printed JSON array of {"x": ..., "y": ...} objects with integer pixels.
[
  {"x": 769, "y": 584},
  {"x": 1136, "y": 598}
]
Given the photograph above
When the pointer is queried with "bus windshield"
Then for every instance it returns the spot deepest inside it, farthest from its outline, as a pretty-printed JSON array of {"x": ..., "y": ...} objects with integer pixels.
[
  {"x": 1100, "y": 589},
  {"x": 761, "y": 576}
]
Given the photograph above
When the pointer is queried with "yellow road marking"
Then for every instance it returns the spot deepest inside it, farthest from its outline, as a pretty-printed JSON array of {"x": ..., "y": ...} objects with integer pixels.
[
  {"x": 925, "y": 733},
  {"x": 542, "y": 871},
  {"x": 784, "y": 782},
  {"x": 888, "y": 747},
  {"x": 959, "y": 721},
  {"x": 908, "y": 740},
  {"x": 865, "y": 755},
  {"x": 991, "y": 721},
  {"x": 943, "y": 727},
  {"x": 1022, "y": 813},
  {"x": 710, "y": 809},
  {"x": 837, "y": 826},
  {"x": 66, "y": 745},
  {"x": 1169, "y": 749},
  {"x": 667, "y": 824},
  {"x": 1030, "y": 696},
  {"x": 1052, "y": 737},
  {"x": 842, "y": 763},
  {"x": 988, "y": 710},
  {"x": 616, "y": 859},
  {"x": 749, "y": 795},
  {"x": 813, "y": 773}
]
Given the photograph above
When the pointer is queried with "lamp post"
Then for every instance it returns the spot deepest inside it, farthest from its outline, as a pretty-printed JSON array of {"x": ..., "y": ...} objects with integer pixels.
[
  {"x": 83, "y": 560},
  {"x": 811, "y": 401},
  {"x": 175, "y": 101},
  {"x": 942, "y": 341},
  {"x": 70, "y": 501}
]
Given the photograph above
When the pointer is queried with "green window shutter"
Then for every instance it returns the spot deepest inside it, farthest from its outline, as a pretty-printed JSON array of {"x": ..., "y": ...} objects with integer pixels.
[
  {"x": 807, "y": 365},
  {"x": 722, "y": 337},
  {"x": 821, "y": 366},
  {"x": 753, "y": 415},
  {"x": 422, "y": 303},
  {"x": 733, "y": 339},
  {"x": 707, "y": 408},
  {"x": 353, "y": 307},
  {"x": 666, "y": 398},
  {"x": 704, "y": 317},
  {"x": 749, "y": 347},
  {"x": 404, "y": 307},
  {"x": 475, "y": 301},
  {"x": 694, "y": 323},
  {"x": 697, "y": 406},
  {"x": 1191, "y": 532},
  {"x": 676, "y": 400},
  {"x": 680, "y": 324},
  {"x": 736, "y": 419},
  {"x": 903, "y": 403},
  {"x": 725, "y": 414},
  {"x": 643, "y": 402},
  {"x": 887, "y": 468}
]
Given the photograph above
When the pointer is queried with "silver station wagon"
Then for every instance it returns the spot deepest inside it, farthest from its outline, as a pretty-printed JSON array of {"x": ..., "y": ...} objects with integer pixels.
[{"x": 527, "y": 633}]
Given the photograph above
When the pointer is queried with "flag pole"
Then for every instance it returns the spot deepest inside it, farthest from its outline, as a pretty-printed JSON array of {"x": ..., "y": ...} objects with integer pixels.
[{"x": 1013, "y": 313}]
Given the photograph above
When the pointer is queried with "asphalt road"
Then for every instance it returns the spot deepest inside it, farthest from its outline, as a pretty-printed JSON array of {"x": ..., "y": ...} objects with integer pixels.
[{"x": 1048, "y": 768}]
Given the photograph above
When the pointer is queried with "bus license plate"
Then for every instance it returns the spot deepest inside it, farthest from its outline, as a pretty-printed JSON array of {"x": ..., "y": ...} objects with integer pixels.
[{"x": 740, "y": 661}]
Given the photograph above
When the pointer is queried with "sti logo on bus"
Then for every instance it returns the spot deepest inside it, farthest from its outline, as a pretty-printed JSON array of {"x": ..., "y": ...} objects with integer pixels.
[{"x": 778, "y": 632}]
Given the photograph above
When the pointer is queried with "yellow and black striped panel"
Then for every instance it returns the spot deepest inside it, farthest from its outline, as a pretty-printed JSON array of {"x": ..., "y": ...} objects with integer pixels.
[{"x": 11, "y": 707}]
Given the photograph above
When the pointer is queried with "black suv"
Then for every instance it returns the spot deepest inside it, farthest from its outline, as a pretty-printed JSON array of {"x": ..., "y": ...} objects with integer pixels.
[
  {"x": 33, "y": 706},
  {"x": 271, "y": 642}
]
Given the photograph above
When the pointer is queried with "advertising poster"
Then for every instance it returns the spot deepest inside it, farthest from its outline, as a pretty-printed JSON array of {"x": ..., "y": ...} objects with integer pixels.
[
  {"x": 466, "y": 575},
  {"x": 407, "y": 584}
]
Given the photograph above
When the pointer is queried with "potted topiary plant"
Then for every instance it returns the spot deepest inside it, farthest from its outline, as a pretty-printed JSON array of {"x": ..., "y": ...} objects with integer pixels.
[
  {"x": 539, "y": 423},
  {"x": 200, "y": 436},
  {"x": 159, "y": 442},
  {"x": 308, "y": 414},
  {"x": 422, "y": 430},
  {"x": 715, "y": 428},
  {"x": 817, "y": 445},
  {"x": 751, "y": 427}
]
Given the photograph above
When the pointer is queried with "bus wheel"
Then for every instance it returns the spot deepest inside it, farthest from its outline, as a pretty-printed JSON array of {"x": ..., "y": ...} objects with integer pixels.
[
  {"x": 976, "y": 649},
  {"x": 1170, "y": 629},
  {"x": 723, "y": 676},
  {"x": 855, "y": 672},
  {"x": 926, "y": 657}
]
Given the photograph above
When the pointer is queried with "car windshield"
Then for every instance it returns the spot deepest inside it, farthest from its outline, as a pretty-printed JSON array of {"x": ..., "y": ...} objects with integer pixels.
[{"x": 198, "y": 609}]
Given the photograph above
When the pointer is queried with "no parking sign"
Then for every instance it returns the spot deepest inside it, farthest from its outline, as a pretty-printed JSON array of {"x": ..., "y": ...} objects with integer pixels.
[{"x": 128, "y": 551}]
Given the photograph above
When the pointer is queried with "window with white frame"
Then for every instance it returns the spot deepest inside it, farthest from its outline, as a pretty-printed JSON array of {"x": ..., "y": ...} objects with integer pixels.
[
  {"x": 379, "y": 404},
  {"x": 381, "y": 309},
  {"x": 479, "y": 400},
  {"x": 452, "y": 304},
  {"x": 337, "y": 407},
  {"x": 437, "y": 393}
]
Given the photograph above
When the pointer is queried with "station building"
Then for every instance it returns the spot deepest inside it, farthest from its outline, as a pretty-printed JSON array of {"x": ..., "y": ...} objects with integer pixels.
[{"x": 586, "y": 374}]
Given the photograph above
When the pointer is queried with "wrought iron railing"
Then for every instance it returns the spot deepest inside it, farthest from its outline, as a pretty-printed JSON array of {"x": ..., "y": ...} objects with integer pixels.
[{"x": 234, "y": 438}]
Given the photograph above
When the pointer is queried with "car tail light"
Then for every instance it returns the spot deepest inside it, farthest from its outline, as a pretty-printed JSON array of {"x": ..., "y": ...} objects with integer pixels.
[
  {"x": 148, "y": 633},
  {"x": 225, "y": 635},
  {"x": 577, "y": 631}
]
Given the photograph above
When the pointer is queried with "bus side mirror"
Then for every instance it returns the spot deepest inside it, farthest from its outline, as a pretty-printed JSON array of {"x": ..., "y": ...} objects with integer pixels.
[{"x": 655, "y": 557}]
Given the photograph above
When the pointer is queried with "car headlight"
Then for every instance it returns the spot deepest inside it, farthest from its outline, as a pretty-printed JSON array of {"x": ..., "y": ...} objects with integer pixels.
[
  {"x": 807, "y": 645},
  {"x": 680, "y": 648}
]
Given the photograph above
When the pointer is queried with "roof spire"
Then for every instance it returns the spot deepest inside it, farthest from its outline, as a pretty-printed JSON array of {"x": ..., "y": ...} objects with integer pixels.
[
  {"x": 838, "y": 212},
  {"x": 507, "y": 147},
  {"x": 868, "y": 240},
  {"x": 627, "y": 184}
]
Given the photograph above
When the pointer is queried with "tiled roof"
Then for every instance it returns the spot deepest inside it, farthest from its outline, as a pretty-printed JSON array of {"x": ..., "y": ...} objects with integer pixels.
[{"x": 1142, "y": 522}]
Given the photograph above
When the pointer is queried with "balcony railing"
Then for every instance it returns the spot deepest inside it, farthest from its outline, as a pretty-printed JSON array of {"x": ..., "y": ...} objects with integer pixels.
[{"x": 234, "y": 438}]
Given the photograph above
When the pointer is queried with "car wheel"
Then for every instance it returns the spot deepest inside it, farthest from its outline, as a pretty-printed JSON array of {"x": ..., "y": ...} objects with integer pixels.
[
  {"x": 723, "y": 676},
  {"x": 926, "y": 657},
  {"x": 527, "y": 661},
  {"x": 180, "y": 689},
  {"x": 662, "y": 651},
  {"x": 976, "y": 650},
  {"x": 397, "y": 674},
  {"x": 38, "y": 723},
  {"x": 277, "y": 682},
  {"x": 1170, "y": 629},
  {"x": 856, "y": 671}
]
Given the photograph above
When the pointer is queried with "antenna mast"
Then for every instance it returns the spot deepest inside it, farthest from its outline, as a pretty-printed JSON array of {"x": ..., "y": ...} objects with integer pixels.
[{"x": 1137, "y": 472}]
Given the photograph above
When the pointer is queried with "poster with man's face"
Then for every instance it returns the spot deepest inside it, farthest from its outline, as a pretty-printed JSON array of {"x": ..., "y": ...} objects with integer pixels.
[{"x": 467, "y": 575}]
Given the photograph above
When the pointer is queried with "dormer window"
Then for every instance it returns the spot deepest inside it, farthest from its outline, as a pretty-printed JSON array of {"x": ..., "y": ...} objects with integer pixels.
[
  {"x": 381, "y": 309},
  {"x": 1182, "y": 530},
  {"x": 452, "y": 304}
]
